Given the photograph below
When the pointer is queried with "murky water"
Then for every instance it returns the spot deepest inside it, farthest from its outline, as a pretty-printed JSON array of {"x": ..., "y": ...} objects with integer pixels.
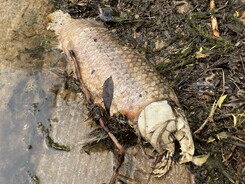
[
  {"x": 32, "y": 98},
  {"x": 25, "y": 87}
]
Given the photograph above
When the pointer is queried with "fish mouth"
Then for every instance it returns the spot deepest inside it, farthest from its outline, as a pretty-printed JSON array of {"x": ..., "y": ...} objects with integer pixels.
[{"x": 55, "y": 20}]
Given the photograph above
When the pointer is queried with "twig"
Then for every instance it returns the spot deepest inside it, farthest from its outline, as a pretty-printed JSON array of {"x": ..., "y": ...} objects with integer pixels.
[
  {"x": 210, "y": 117},
  {"x": 120, "y": 152},
  {"x": 222, "y": 7},
  {"x": 240, "y": 144},
  {"x": 242, "y": 64},
  {"x": 78, "y": 75},
  {"x": 214, "y": 106}
]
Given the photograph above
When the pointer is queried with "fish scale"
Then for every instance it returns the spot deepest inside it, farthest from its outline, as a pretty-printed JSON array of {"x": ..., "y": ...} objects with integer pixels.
[
  {"x": 140, "y": 93},
  {"x": 101, "y": 56}
]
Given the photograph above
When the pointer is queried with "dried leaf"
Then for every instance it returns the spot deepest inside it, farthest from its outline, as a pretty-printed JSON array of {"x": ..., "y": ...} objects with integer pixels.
[
  {"x": 199, "y": 54},
  {"x": 214, "y": 24},
  {"x": 216, "y": 33},
  {"x": 243, "y": 15},
  {"x": 200, "y": 160},
  {"x": 201, "y": 49},
  {"x": 108, "y": 90},
  {"x": 182, "y": 6},
  {"x": 234, "y": 119},
  {"x": 234, "y": 116},
  {"x": 211, "y": 139},
  {"x": 221, "y": 100},
  {"x": 218, "y": 137},
  {"x": 236, "y": 14},
  {"x": 212, "y": 4}
]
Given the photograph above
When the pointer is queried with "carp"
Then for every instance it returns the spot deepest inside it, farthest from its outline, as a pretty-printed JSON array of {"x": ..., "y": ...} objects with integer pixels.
[{"x": 139, "y": 92}]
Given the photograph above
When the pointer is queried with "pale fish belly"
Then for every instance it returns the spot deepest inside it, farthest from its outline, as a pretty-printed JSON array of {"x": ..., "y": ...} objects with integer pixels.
[{"x": 139, "y": 91}]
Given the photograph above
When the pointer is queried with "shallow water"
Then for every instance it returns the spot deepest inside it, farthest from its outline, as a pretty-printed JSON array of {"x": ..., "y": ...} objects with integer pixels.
[
  {"x": 25, "y": 103},
  {"x": 25, "y": 84},
  {"x": 32, "y": 95}
]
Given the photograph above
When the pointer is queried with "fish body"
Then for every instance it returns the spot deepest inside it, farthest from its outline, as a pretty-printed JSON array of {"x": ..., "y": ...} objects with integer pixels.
[
  {"x": 140, "y": 92},
  {"x": 100, "y": 56}
]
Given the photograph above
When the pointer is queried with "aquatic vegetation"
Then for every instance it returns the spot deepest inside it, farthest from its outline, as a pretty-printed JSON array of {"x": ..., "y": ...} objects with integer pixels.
[{"x": 31, "y": 86}]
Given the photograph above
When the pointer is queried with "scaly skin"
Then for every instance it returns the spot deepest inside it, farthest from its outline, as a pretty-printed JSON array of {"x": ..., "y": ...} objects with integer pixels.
[
  {"x": 136, "y": 84},
  {"x": 140, "y": 92}
]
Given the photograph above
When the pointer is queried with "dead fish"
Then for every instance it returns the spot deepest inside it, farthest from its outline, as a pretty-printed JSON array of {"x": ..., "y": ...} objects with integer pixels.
[{"x": 140, "y": 92}]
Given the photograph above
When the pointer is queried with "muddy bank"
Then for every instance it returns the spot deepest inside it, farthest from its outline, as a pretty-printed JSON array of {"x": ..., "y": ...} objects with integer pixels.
[
  {"x": 32, "y": 94},
  {"x": 24, "y": 87}
]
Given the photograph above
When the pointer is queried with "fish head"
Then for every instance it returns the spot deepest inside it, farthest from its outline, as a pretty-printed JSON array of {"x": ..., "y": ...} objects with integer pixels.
[{"x": 56, "y": 21}]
